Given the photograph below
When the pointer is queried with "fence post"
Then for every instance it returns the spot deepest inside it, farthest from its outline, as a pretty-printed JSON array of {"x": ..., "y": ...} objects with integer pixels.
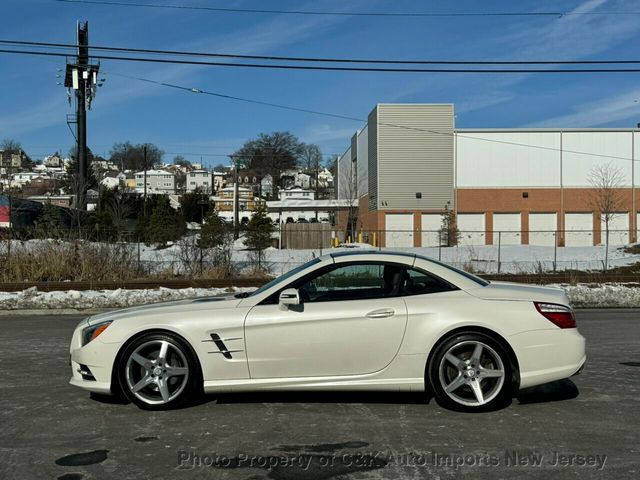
[
  {"x": 138, "y": 242},
  {"x": 555, "y": 251},
  {"x": 499, "y": 242},
  {"x": 9, "y": 241}
]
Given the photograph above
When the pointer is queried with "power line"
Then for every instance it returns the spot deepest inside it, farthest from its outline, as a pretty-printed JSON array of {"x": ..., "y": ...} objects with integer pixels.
[
  {"x": 361, "y": 120},
  {"x": 333, "y": 68},
  {"x": 552, "y": 14},
  {"x": 321, "y": 59}
]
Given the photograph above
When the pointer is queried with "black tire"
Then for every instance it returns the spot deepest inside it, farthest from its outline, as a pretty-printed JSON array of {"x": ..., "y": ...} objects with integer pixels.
[
  {"x": 156, "y": 383},
  {"x": 460, "y": 380}
]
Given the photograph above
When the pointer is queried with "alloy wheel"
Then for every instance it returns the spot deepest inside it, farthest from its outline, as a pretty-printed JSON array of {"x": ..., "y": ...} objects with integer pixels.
[
  {"x": 471, "y": 373},
  {"x": 157, "y": 372}
]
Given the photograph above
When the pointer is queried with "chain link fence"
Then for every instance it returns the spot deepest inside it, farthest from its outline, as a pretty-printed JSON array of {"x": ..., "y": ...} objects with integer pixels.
[{"x": 92, "y": 255}]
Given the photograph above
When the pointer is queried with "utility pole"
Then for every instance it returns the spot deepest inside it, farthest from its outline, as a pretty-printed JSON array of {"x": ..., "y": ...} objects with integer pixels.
[
  {"x": 82, "y": 77},
  {"x": 236, "y": 192},
  {"x": 81, "y": 113}
]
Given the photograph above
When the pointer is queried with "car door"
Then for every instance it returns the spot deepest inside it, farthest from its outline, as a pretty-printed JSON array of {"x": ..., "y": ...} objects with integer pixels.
[{"x": 350, "y": 322}]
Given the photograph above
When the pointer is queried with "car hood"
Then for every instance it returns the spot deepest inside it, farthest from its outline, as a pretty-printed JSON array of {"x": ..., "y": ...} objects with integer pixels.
[
  {"x": 518, "y": 291},
  {"x": 191, "y": 304}
]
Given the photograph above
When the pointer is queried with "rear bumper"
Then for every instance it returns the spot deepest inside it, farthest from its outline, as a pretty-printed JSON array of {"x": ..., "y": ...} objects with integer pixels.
[{"x": 548, "y": 355}]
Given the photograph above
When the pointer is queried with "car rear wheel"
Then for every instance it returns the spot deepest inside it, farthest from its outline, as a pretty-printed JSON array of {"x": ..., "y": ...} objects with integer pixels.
[
  {"x": 158, "y": 371},
  {"x": 471, "y": 372}
]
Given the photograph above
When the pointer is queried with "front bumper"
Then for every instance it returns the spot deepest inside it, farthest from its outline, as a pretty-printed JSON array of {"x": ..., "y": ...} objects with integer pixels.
[{"x": 97, "y": 357}]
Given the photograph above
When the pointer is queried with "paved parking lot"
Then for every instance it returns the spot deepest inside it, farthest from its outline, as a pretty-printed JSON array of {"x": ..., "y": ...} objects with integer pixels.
[{"x": 586, "y": 427}]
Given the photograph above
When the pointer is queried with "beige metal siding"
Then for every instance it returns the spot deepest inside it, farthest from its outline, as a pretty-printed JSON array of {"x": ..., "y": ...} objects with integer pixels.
[
  {"x": 414, "y": 154},
  {"x": 372, "y": 127}
]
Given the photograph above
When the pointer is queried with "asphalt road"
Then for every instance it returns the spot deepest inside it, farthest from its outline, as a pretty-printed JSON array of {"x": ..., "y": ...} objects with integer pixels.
[{"x": 586, "y": 427}]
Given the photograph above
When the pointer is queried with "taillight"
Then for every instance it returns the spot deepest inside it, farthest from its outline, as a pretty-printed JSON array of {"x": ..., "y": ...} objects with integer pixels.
[{"x": 560, "y": 315}]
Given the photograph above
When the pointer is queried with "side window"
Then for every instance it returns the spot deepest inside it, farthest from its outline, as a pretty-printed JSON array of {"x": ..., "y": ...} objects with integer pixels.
[
  {"x": 417, "y": 282},
  {"x": 357, "y": 281}
]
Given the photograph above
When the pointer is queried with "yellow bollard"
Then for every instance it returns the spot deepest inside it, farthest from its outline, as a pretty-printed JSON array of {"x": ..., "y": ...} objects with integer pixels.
[
  {"x": 336, "y": 242},
  {"x": 348, "y": 238},
  {"x": 360, "y": 237},
  {"x": 374, "y": 239}
]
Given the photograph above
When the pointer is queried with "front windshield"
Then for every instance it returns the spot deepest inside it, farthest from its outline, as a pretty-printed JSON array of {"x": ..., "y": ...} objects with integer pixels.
[{"x": 284, "y": 277}]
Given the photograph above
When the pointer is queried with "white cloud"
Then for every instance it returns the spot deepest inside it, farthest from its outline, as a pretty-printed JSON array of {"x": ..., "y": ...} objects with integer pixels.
[
  {"x": 257, "y": 39},
  {"x": 46, "y": 113},
  {"x": 596, "y": 113},
  {"x": 571, "y": 37},
  {"x": 327, "y": 133}
]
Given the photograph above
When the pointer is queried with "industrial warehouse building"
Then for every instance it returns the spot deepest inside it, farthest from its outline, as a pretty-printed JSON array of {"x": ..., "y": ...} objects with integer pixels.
[{"x": 410, "y": 164}]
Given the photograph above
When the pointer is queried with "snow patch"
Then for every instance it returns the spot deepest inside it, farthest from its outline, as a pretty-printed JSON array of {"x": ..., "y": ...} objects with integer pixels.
[
  {"x": 611, "y": 295},
  {"x": 32, "y": 299}
]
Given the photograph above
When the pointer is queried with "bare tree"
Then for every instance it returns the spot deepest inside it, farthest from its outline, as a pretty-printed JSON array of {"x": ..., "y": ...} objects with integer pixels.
[
  {"x": 348, "y": 190},
  {"x": 310, "y": 158},
  {"x": 121, "y": 206},
  {"x": 607, "y": 199},
  {"x": 270, "y": 154},
  {"x": 10, "y": 145}
]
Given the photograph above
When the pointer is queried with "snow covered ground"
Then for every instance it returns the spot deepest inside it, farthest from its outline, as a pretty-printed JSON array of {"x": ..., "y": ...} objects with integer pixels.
[
  {"x": 475, "y": 258},
  {"x": 582, "y": 295},
  {"x": 32, "y": 299}
]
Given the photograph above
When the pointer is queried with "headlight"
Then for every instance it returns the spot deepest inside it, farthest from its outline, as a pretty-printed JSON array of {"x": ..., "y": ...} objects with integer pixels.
[{"x": 93, "y": 331}]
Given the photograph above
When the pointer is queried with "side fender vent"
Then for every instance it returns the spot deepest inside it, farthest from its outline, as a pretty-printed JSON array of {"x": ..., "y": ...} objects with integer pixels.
[{"x": 222, "y": 347}]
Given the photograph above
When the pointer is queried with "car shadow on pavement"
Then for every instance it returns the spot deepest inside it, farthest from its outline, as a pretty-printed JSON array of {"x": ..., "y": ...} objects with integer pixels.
[
  {"x": 109, "y": 399},
  {"x": 417, "y": 398},
  {"x": 630, "y": 364},
  {"x": 548, "y": 392}
]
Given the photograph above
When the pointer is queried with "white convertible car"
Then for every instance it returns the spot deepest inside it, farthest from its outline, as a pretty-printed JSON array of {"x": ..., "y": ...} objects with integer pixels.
[{"x": 345, "y": 321}]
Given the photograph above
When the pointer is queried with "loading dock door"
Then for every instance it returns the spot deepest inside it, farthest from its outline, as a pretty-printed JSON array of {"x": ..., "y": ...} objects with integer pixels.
[
  {"x": 399, "y": 230},
  {"x": 471, "y": 228},
  {"x": 508, "y": 224},
  {"x": 431, "y": 223},
  {"x": 542, "y": 229},
  {"x": 578, "y": 229}
]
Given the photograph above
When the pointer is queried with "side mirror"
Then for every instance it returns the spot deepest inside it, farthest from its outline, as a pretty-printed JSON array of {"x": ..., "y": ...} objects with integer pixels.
[{"x": 289, "y": 296}]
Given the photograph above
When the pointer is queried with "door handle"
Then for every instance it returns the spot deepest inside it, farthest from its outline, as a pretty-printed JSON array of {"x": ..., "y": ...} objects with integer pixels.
[{"x": 382, "y": 313}]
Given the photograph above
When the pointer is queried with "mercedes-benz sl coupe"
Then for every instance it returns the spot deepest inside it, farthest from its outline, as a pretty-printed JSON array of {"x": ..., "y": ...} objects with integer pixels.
[{"x": 345, "y": 321}]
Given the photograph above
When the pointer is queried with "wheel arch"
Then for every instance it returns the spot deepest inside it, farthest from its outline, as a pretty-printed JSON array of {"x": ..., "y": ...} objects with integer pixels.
[
  {"x": 115, "y": 385},
  {"x": 513, "y": 359}
]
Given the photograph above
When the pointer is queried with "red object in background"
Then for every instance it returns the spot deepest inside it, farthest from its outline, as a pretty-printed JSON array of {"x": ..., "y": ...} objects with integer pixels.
[{"x": 4, "y": 211}]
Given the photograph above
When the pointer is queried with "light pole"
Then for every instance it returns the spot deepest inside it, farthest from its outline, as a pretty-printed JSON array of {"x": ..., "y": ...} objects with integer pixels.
[{"x": 236, "y": 192}]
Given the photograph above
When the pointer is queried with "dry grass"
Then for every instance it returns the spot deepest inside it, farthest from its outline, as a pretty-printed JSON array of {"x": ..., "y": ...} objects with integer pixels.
[{"x": 61, "y": 261}]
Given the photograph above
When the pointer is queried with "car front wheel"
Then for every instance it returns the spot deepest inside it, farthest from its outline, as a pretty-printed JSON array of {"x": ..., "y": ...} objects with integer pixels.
[
  {"x": 158, "y": 371},
  {"x": 471, "y": 372}
]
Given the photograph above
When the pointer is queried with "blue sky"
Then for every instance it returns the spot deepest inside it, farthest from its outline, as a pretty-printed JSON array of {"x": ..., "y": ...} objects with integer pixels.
[{"x": 34, "y": 107}]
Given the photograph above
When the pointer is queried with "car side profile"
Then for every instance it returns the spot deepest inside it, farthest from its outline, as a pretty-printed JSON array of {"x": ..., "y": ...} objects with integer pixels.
[{"x": 357, "y": 320}]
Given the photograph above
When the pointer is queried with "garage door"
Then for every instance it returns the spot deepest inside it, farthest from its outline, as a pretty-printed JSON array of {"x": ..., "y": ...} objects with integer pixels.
[
  {"x": 578, "y": 229},
  {"x": 471, "y": 228},
  {"x": 542, "y": 229},
  {"x": 508, "y": 226},
  {"x": 618, "y": 229},
  {"x": 399, "y": 229},
  {"x": 431, "y": 223}
]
